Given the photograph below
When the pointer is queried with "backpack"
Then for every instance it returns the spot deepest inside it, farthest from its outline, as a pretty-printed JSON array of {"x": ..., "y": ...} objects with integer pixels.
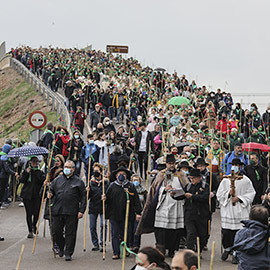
[{"x": 40, "y": 142}]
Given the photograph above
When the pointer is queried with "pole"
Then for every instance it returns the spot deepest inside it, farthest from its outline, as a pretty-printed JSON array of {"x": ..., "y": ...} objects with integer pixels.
[
  {"x": 148, "y": 166},
  {"x": 44, "y": 228},
  {"x": 212, "y": 255},
  {"x": 126, "y": 231},
  {"x": 103, "y": 210},
  {"x": 50, "y": 213},
  {"x": 198, "y": 252},
  {"x": 42, "y": 199},
  {"x": 210, "y": 189},
  {"x": 20, "y": 258},
  {"x": 86, "y": 210}
]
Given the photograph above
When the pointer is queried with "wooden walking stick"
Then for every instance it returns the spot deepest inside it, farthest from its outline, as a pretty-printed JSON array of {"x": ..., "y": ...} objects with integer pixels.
[
  {"x": 44, "y": 228},
  {"x": 42, "y": 199},
  {"x": 210, "y": 189},
  {"x": 199, "y": 253},
  {"x": 50, "y": 214},
  {"x": 20, "y": 258},
  {"x": 86, "y": 210},
  {"x": 148, "y": 166},
  {"x": 126, "y": 231},
  {"x": 15, "y": 180},
  {"x": 212, "y": 255},
  {"x": 103, "y": 210}
]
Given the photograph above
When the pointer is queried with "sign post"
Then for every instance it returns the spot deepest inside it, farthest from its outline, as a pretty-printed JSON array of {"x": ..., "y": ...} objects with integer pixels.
[
  {"x": 116, "y": 49},
  {"x": 37, "y": 120}
]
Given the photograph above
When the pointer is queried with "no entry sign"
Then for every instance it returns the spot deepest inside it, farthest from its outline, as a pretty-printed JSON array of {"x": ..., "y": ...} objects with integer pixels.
[{"x": 37, "y": 119}]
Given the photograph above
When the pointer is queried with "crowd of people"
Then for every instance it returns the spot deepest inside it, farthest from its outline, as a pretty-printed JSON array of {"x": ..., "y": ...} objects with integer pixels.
[{"x": 175, "y": 162}]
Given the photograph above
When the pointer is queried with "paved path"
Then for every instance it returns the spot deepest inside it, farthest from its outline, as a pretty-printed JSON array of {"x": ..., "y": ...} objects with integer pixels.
[{"x": 13, "y": 228}]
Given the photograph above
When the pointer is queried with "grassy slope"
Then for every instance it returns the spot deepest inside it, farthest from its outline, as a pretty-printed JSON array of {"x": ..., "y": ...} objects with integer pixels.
[{"x": 17, "y": 101}]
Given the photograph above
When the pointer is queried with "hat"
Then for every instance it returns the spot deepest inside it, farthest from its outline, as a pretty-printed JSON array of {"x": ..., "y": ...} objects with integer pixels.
[
  {"x": 195, "y": 172},
  {"x": 237, "y": 161},
  {"x": 200, "y": 161},
  {"x": 124, "y": 158},
  {"x": 184, "y": 164},
  {"x": 170, "y": 158},
  {"x": 61, "y": 158},
  {"x": 121, "y": 169}
]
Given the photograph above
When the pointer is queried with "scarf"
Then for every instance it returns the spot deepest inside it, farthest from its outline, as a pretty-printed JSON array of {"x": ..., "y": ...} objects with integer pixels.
[
  {"x": 89, "y": 150},
  {"x": 34, "y": 169}
]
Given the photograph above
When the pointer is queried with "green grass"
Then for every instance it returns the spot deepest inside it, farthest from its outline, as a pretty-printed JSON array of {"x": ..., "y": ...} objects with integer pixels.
[{"x": 12, "y": 97}]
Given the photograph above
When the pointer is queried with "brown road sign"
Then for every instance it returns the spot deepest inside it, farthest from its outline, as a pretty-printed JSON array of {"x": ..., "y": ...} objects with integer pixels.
[{"x": 116, "y": 49}]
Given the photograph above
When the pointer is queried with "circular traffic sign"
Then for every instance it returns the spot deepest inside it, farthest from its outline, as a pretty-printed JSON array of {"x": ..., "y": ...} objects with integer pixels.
[{"x": 37, "y": 119}]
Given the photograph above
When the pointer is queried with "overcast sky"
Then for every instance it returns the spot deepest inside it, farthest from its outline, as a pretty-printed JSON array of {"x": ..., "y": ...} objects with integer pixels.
[{"x": 212, "y": 41}]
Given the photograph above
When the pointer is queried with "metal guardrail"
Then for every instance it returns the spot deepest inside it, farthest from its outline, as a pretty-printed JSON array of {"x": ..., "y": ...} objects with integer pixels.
[{"x": 52, "y": 98}]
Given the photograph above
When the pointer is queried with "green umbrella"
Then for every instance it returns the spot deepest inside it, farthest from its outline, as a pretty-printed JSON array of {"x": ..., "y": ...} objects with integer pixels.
[{"x": 178, "y": 101}]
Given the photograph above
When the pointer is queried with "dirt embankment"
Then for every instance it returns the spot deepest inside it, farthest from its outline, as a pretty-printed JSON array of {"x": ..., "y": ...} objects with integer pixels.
[{"x": 17, "y": 101}]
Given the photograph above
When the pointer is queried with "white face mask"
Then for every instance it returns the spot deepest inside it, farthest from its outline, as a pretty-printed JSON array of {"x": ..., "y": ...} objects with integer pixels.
[{"x": 138, "y": 267}]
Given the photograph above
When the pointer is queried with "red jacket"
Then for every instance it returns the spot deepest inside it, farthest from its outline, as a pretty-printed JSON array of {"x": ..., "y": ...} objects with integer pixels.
[
  {"x": 224, "y": 126},
  {"x": 79, "y": 118}
]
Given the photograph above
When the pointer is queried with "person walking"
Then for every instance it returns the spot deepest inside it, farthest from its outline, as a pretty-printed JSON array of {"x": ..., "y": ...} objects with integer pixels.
[
  {"x": 235, "y": 196},
  {"x": 33, "y": 179},
  {"x": 68, "y": 196}
]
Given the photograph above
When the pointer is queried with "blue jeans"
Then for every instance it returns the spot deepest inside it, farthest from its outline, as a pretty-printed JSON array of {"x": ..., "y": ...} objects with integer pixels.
[
  {"x": 120, "y": 112},
  {"x": 111, "y": 112},
  {"x": 93, "y": 229},
  {"x": 117, "y": 230}
]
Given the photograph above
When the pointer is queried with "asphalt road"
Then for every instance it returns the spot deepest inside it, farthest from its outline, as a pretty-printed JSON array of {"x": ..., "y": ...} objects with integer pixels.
[{"x": 14, "y": 229}]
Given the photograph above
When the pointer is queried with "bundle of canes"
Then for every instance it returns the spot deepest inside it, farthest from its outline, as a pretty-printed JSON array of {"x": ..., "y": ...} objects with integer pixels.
[
  {"x": 125, "y": 231},
  {"x": 86, "y": 210},
  {"x": 42, "y": 199}
]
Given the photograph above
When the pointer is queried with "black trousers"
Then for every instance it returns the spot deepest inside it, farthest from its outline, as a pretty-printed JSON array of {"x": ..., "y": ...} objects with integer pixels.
[
  {"x": 3, "y": 185},
  {"x": 32, "y": 211},
  {"x": 143, "y": 159},
  {"x": 65, "y": 228},
  {"x": 168, "y": 239},
  {"x": 197, "y": 227},
  {"x": 228, "y": 237}
]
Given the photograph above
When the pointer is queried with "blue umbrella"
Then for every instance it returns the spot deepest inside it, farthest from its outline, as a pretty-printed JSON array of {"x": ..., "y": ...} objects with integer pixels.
[{"x": 28, "y": 151}]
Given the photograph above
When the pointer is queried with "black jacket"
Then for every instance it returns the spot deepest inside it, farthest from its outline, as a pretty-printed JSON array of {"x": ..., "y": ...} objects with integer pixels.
[
  {"x": 72, "y": 152},
  {"x": 116, "y": 201},
  {"x": 31, "y": 187},
  {"x": 106, "y": 100},
  {"x": 5, "y": 169},
  {"x": 214, "y": 187},
  {"x": 149, "y": 138},
  {"x": 198, "y": 205},
  {"x": 69, "y": 195},
  {"x": 95, "y": 202},
  {"x": 259, "y": 181}
]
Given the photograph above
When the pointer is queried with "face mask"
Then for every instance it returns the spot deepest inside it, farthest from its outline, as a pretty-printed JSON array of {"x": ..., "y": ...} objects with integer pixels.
[
  {"x": 76, "y": 136},
  {"x": 91, "y": 141},
  {"x": 223, "y": 117},
  {"x": 268, "y": 111},
  {"x": 252, "y": 162},
  {"x": 96, "y": 174},
  {"x": 235, "y": 169},
  {"x": 138, "y": 267},
  {"x": 186, "y": 172},
  {"x": 136, "y": 183},
  {"x": 121, "y": 178},
  {"x": 174, "y": 152},
  {"x": 188, "y": 154},
  {"x": 67, "y": 171}
]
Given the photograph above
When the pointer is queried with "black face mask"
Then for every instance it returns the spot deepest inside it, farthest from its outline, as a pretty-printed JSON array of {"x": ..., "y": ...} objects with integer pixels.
[
  {"x": 173, "y": 170},
  {"x": 223, "y": 117},
  {"x": 96, "y": 174}
]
